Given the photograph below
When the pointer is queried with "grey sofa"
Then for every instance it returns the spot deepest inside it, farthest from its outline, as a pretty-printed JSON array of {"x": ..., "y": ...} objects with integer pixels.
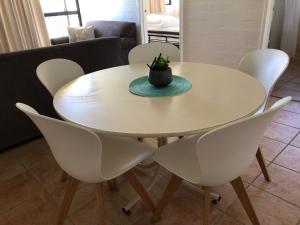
[
  {"x": 19, "y": 82},
  {"x": 126, "y": 31}
]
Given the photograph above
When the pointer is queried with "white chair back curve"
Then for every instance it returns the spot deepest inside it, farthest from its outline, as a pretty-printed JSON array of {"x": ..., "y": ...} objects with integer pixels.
[
  {"x": 54, "y": 73},
  {"x": 225, "y": 153},
  {"x": 266, "y": 65},
  {"x": 145, "y": 53},
  {"x": 77, "y": 150}
]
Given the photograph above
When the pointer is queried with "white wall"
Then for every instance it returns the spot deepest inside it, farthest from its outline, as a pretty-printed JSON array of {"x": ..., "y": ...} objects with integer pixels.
[
  {"x": 119, "y": 10},
  {"x": 221, "y": 32}
]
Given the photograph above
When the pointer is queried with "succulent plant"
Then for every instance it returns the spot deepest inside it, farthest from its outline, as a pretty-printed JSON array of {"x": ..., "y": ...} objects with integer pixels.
[{"x": 160, "y": 63}]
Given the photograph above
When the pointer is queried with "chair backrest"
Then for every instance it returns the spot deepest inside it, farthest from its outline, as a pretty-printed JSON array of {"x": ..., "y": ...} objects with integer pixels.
[
  {"x": 266, "y": 65},
  {"x": 145, "y": 53},
  {"x": 77, "y": 150},
  {"x": 225, "y": 153},
  {"x": 54, "y": 73}
]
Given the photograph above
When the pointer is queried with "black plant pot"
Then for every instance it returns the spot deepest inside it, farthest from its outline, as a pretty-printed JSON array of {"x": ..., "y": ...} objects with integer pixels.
[{"x": 160, "y": 78}]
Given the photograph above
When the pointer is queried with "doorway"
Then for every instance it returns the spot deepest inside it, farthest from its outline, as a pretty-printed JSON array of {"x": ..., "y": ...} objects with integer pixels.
[{"x": 161, "y": 21}]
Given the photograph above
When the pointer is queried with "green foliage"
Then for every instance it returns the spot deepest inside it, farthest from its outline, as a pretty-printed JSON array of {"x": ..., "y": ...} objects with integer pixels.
[{"x": 160, "y": 63}]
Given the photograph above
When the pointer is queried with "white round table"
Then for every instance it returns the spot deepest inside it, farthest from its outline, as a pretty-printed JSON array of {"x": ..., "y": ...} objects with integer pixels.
[{"x": 101, "y": 101}]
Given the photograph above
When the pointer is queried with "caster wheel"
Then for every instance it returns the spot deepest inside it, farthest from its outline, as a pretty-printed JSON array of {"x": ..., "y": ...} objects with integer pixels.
[{"x": 126, "y": 212}]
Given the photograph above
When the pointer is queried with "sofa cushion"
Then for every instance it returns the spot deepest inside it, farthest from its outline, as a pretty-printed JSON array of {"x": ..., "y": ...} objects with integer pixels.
[
  {"x": 81, "y": 34},
  {"x": 113, "y": 28}
]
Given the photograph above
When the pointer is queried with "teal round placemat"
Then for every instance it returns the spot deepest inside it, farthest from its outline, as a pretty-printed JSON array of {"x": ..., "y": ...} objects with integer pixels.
[{"x": 142, "y": 87}]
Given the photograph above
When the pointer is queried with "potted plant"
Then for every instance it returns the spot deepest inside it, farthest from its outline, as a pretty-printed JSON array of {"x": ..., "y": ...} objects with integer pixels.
[{"x": 160, "y": 74}]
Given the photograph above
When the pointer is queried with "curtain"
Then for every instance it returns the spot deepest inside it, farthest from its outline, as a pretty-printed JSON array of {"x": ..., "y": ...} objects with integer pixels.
[
  {"x": 290, "y": 27},
  {"x": 22, "y": 25},
  {"x": 156, "y": 6}
]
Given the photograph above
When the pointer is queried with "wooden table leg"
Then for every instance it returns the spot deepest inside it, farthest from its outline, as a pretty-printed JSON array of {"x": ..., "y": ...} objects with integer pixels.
[
  {"x": 113, "y": 184},
  {"x": 161, "y": 141}
]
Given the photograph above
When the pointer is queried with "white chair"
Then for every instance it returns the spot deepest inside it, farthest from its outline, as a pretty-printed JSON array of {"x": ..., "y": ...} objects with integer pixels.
[
  {"x": 90, "y": 158},
  {"x": 215, "y": 158},
  {"x": 145, "y": 53},
  {"x": 55, "y": 73},
  {"x": 267, "y": 66}
]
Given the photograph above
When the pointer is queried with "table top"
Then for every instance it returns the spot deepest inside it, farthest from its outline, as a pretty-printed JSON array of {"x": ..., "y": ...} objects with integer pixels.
[{"x": 101, "y": 101}]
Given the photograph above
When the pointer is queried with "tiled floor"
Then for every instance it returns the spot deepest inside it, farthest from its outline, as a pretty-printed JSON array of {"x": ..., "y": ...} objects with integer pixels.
[{"x": 31, "y": 190}]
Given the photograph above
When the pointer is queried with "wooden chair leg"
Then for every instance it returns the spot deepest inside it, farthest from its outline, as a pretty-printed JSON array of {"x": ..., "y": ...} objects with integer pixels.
[
  {"x": 69, "y": 194},
  {"x": 113, "y": 184},
  {"x": 138, "y": 187},
  {"x": 140, "y": 139},
  {"x": 161, "y": 141},
  {"x": 262, "y": 164},
  {"x": 100, "y": 202},
  {"x": 64, "y": 176},
  {"x": 168, "y": 194},
  {"x": 206, "y": 205},
  {"x": 244, "y": 198}
]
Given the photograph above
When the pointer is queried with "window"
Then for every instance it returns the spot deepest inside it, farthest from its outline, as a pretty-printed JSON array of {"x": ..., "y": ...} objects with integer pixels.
[
  {"x": 168, "y": 2},
  {"x": 59, "y": 14}
]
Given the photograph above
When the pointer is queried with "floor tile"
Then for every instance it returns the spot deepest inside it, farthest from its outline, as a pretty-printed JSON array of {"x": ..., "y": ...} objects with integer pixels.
[
  {"x": 280, "y": 84},
  {"x": 228, "y": 196},
  {"x": 85, "y": 194},
  {"x": 48, "y": 173},
  {"x": 292, "y": 86},
  {"x": 293, "y": 107},
  {"x": 184, "y": 208},
  {"x": 289, "y": 158},
  {"x": 271, "y": 148},
  {"x": 280, "y": 132},
  {"x": 88, "y": 214},
  {"x": 270, "y": 209},
  {"x": 289, "y": 75},
  {"x": 34, "y": 153},
  {"x": 296, "y": 141},
  {"x": 9, "y": 167},
  {"x": 296, "y": 79},
  {"x": 287, "y": 118},
  {"x": 39, "y": 212},
  {"x": 227, "y": 220},
  {"x": 284, "y": 92},
  {"x": 19, "y": 189},
  {"x": 252, "y": 172},
  {"x": 285, "y": 184}
]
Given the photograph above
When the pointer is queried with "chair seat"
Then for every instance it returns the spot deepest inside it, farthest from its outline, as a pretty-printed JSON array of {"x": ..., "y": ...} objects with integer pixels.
[
  {"x": 179, "y": 158},
  {"x": 121, "y": 154}
]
